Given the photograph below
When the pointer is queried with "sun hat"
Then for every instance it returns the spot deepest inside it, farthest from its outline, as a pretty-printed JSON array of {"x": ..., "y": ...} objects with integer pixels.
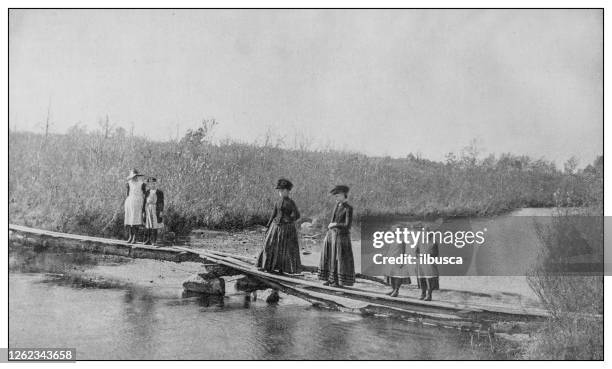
[
  {"x": 339, "y": 189},
  {"x": 284, "y": 184},
  {"x": 134, "y": 173}
]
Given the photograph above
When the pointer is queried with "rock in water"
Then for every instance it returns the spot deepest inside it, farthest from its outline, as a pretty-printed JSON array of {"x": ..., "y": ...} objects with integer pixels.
[
  {"x": 215, "y": 271},
  {"x": 249, "y": 284},
  {"x": 211, "y": 286},
  {"x": 273, "y": 298}
]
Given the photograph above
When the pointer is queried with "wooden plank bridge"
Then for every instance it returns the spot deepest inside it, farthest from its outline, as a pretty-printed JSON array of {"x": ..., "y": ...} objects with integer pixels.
[{"x": 368, "y": 301}]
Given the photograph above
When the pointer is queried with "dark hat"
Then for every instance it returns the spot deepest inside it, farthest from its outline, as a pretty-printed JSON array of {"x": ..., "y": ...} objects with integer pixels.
[
  {"x": 284, "y": 184},
  {"x": 134, "y": 173},
  {"x": 339, "y": 189},
  {"x": 151, "y": 180}
]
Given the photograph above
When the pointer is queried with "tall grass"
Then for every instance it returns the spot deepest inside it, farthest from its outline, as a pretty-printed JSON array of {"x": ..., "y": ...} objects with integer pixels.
[
  {"x": 75, "y": 182},
  {"x": 574, "y": 332}
]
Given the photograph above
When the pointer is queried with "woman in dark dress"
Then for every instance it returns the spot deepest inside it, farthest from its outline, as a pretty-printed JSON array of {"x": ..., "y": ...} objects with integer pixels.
[
  {"x": 428, "y": 276},
  {"x": 337, "y": 267},
  {"x": 397, "y": 274},
  {"x": 281, "y": 251}
]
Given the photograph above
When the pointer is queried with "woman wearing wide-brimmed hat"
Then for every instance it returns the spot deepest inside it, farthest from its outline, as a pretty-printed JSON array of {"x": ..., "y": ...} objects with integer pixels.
[
  {"x": 134, "y": 204},
  {"x": 337, "y": 265},
  {"x": 281, "y": 251}
]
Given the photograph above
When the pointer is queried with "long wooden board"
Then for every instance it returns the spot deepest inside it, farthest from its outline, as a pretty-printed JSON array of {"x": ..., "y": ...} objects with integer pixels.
[
  {"x": 473, "y": 312},
  {"x": 301, "y": 285}
]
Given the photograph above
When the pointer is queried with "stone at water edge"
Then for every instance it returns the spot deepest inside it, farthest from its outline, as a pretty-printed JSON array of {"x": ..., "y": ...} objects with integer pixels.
[
  {"x": 216, "y": 270},
  {"x": 249, "y": 284},
  {"x": 209, "y": 286},
  {"x": 273, "y": 297}
]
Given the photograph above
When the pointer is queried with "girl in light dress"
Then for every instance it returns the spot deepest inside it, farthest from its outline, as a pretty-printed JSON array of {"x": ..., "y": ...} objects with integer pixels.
[{"x": 153, "y": 211}]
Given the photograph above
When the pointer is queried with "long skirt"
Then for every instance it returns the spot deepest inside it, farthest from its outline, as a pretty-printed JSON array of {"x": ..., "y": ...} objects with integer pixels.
[
  {"x": 399, "y": 272},
  {"x": 429, "y": 283},
  {"x": 281, "y": 251},
  {"x": 151, "y": 217},
  {"x": 428, "y": 276},
  {"x": 401, "y": 280},
  {"x": 337, "y": 265},
  {"x": 133, "y": 210}
]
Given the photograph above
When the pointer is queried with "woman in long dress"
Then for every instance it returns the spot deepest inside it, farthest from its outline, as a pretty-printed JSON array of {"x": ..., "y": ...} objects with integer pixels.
[
  {"x": 133, "y": 204},
  {"x": 281, "y": 251},
  {"x": 337, "y": 266},
  {"x": 428, "y": 276}
]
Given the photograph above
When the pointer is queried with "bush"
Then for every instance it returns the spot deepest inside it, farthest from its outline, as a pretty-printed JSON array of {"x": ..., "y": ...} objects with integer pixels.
[{"x": 575, "y": 302}]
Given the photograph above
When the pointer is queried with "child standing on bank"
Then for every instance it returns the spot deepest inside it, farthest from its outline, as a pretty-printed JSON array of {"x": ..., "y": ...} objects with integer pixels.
[{"x": 153, "y": 211}]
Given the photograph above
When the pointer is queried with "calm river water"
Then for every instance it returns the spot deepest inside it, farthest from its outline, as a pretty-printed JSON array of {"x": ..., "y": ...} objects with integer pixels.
[
  {"x": 110, "y": 319},
  {"x": 124, "y": 323}
]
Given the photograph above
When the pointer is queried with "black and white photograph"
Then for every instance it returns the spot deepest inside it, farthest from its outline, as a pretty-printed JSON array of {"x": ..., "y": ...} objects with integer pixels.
[{"x": 305, "y": 184}]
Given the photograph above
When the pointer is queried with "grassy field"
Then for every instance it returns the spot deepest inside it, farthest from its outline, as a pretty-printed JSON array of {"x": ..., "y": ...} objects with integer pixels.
[{"x": 75, "y": 182}]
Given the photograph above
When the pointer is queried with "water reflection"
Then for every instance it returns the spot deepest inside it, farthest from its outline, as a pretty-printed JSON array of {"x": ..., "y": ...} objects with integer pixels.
[
  {"x": 140, "y": 322},
  {"x": 126, "y": 321}
]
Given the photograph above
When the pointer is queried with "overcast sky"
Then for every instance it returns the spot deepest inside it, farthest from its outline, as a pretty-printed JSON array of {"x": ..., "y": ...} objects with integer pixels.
[{"x": 381, "y": 82}]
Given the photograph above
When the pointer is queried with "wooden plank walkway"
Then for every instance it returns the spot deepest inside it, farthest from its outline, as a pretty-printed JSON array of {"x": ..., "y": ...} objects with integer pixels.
[{"x": 355, "y": 299}]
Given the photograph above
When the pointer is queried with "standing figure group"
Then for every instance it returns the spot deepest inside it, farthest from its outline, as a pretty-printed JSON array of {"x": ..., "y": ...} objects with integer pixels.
[
  {"x": 427, "y": 275},
  {"x": 281, "y": 252},
  {"x": 144, "y": 205}
]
